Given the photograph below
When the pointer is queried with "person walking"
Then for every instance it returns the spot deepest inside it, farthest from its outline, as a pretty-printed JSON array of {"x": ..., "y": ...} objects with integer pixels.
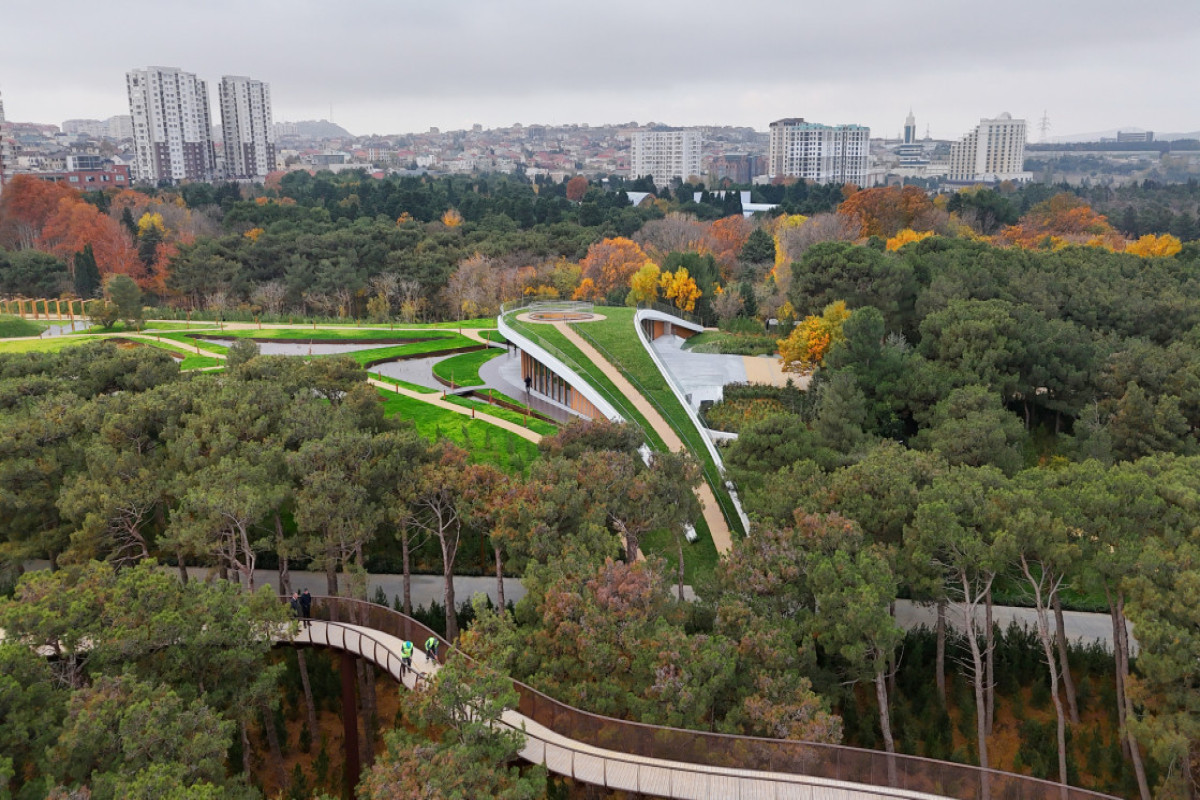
[
  {"x": 406, "y": 651},
  {"x": 431, "y": 648},
  {"x": 306, "y": 608},
  {"x": 295, "y": 604}
]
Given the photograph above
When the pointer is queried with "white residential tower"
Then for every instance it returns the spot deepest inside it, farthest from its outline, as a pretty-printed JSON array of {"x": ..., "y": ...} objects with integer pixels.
[
  {"x": 818, "y": 153},
  {"x": 665, "y": 155},
  {"x": 172, "y": 125},
  {"x": 993, "y": 152},
  {"x": 246, "y": 127}
]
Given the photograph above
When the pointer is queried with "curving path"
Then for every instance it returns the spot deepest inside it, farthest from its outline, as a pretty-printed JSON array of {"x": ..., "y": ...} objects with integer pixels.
[{"x": 705, "y": 766}]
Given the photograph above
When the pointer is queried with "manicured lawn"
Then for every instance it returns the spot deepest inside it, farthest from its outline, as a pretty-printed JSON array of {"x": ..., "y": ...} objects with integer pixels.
[
  {"x": 741, "y": 344},
  {"x": 482, "y": 407},
  {"x": 379, "y": 354},
  {"x": 51, "y": 345},
  {"x": 190, "y": 342},
  {"x": 463, "y": 370},
  {"x": 309, "y": 334},
  {"x": 548, "y": 335},
  {"x": 494, "y": 336},
  {"x": 121, "y": 327},
  {"x": 414, "y": 387},
  {"x": 11, "y": 326},
  {"x": 199, "y": 362},
  {"x": 485, "y": 442}
]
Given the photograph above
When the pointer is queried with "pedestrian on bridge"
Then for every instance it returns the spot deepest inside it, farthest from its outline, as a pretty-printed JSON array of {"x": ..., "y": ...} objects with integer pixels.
[
  {"x": 431, "y": 649},
  {"x": 306, "y": 608}
]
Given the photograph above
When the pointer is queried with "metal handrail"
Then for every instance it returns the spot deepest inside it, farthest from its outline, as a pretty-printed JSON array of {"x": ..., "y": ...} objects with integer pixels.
[{"x": 811, "y": 759}]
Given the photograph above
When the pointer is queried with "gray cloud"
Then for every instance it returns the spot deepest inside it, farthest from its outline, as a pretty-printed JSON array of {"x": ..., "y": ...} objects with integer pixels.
[{"x": 399, "y": 66}]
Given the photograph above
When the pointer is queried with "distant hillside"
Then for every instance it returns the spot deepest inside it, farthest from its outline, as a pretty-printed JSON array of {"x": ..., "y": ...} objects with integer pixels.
[{"x": 320, "y": 129}]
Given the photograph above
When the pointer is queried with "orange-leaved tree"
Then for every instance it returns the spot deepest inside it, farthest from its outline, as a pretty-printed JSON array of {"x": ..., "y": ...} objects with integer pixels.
[
  {"x": 25, "y": 206},
  {"x": 725, "y": 239},
  {"x": 806, "y": 347},
  {"x": 576, "y": 188},
  {"x": 76, "y": 223},
  {"x": 452, "y": 219},
  {"x": 1151, "y": 246},
  {"x": 680, "y": 287},
  {"x": 1061, "y": 220},
  {"x": 886, "y": 210},
  {"x": 610, "y": 263}
]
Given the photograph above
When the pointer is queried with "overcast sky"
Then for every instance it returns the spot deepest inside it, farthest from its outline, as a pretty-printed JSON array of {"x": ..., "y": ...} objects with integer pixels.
[{"x": 395, "y": 66}]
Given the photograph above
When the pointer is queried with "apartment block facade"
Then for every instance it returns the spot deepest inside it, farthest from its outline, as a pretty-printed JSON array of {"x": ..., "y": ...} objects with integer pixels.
[
  {"x": 172, "y": 125},
  {"x": 246, "y": 127},
  {"x": 665, "y": 155},
  {"x": 7, "y": 151},
  {"x": 994, "y": 151},
  {"x": 818, "y": 153}
]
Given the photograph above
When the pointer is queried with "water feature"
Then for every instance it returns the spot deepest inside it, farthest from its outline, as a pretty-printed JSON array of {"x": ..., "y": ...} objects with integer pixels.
[{"x": 318, "y": 347}]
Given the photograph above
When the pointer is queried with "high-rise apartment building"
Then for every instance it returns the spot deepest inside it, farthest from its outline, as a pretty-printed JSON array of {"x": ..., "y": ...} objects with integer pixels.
[
  {"x": 819, "y": 153},
  {"x": 7, "y": 154},
  {"x": 172, "y": 125},
  {"x": 665, "y": 155},
  {"x": 246, "y": 127},
  {"x": 993, "y": 152}
]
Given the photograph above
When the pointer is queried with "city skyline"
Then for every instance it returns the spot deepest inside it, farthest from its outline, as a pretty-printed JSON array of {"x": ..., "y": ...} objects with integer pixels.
[{"x": 397, "y": 70}]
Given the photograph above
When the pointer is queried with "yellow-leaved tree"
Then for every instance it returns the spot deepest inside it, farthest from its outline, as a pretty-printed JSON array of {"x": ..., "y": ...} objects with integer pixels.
[
  {"x": 680, "y": 287},
  {"x": 643, "y": 285},
  {"x": 1151, "y": 246},
  {"x": 805, "y": 349},
  {"x": 906, "y": 236},
  {"x": 452, "y": 219}
]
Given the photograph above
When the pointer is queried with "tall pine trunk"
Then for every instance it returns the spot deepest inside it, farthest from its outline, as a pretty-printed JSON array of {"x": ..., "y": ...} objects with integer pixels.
[
  {"x": 885, "y": 724},
  {"x": 941, "y": 651},
  {"x": 310, "y": 706},
  {"x": 1060, "y": 636},
  {"x": 1121, "y": 646},
  {"x": 268, "y": 721},
  {"x": 991, "y": 664},
  {"x": 404, "y": 554},
  {"x": 499, "y": 576},
  {"x": 367, "y": 704},
  {"x": 448, "y": 554}
]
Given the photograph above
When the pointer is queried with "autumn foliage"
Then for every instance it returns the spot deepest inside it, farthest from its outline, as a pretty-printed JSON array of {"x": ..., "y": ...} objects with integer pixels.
[
  {"x": 576, "y": 188},
  {"x": 680, "y": 288},
  {"x": 1151, "y": 246},
  {"x": 906, "y": 236},
  {"x": 610, "y": 263},
  {"x": 805, "y": 349},
  {"x": 887, "y": 210},
  {"x": 1063, "y": 219},
  {"x": 57, "y": 220}
]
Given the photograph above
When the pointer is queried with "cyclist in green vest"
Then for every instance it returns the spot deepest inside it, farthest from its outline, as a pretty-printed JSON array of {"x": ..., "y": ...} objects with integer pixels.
[
  {"x": 431, "y": 648},
  {"x": 406, "y": 651}
]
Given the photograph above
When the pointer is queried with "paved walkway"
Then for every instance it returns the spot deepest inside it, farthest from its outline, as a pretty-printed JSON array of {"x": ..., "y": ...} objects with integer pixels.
[
  {"x": 436, "y": 400},
  {"x": 717, "y": 525}
]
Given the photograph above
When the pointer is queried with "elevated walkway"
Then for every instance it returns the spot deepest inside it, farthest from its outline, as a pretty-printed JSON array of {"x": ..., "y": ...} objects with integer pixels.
[{"x": 675, "y": 763}]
